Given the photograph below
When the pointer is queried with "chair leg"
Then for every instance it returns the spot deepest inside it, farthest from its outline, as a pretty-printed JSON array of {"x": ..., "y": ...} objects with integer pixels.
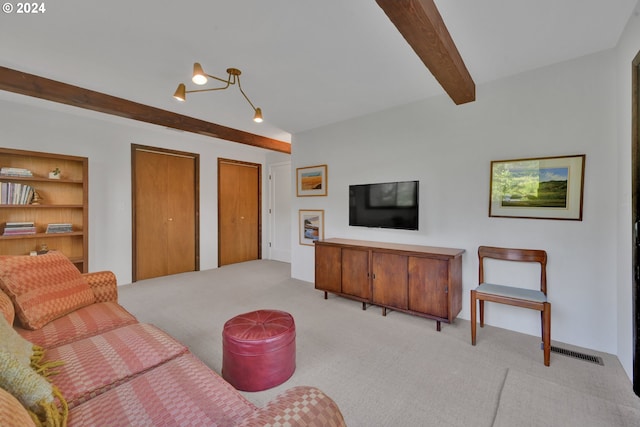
[
  {"x": 546, "y": 332},
  {"x": 473, "y": 317},
  {"x": 481, "y": 303}
]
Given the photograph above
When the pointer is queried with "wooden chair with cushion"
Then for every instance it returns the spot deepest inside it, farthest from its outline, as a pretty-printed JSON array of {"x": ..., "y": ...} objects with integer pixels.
[{"x": 513, "y": 295}]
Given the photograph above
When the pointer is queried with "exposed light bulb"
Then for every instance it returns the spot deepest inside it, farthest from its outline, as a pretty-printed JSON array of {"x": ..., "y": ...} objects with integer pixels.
[
  {"x": 180, "y": 93},
  {"x": 199, "y": 77},
  {"x": 258, "y": 116}
]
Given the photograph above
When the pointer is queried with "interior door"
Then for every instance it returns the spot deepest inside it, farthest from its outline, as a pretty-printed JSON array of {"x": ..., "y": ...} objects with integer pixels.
[
  {"x": 165, "y": 226},
  {"x": 239, "y": 219},
  {"x": 280, "y": 212}
]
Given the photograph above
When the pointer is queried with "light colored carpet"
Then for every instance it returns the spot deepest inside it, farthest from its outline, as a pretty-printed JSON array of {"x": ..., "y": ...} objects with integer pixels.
[
  {"x": 530, "y": 401},
  {"x": 395, "y": 370}
]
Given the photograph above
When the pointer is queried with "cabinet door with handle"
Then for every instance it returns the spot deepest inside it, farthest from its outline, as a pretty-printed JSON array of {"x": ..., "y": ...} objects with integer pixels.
[
  {"x": 389, "y": 279},
  {"x": 428, "y": 286},
  {"x": 328, "y": 268},
  {"x": 355, "y": 273}
]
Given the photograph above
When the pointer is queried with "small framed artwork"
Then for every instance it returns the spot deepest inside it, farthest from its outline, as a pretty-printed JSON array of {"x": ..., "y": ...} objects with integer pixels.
[
  {"x": 311, "y": 181},
  {"x": 541, "y": 188},
  {"x": 311, "y": 225}
]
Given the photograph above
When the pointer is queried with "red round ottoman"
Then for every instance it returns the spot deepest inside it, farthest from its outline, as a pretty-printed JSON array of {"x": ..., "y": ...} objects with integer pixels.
[{"x": 259, "y": 349}]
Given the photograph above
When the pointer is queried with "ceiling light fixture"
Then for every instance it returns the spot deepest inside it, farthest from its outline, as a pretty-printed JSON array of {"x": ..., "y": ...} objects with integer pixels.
[{"x": 200, "y": 78}]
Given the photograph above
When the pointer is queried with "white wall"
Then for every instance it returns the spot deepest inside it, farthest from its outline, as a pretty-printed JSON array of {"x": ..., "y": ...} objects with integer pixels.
[
  {"x": 566, "y": 109},
  {"x": 627, "y": 49},
  {"x": 32, "y": 124}
]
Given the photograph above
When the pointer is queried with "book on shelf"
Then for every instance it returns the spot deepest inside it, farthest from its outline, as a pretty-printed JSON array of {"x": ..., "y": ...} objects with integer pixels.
[
  {"x": 15, "y": 193},
  {"x": 19, "y": 228},
  {"x": 20, "y": 172},
  {"x": 19, "y": 231},
  {"x": 59, "y": 228},
  {"x": 19, "y": 224}
]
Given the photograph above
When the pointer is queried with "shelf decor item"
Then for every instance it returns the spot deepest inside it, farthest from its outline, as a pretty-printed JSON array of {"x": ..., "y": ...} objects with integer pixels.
[
  {"x": 311, "y": 181},
  {"x": 36, "y": 199},
  {"x": 541, "y": 188},
  {"x": 54, "y": 174},
  {"x": 311, "y": 226}
]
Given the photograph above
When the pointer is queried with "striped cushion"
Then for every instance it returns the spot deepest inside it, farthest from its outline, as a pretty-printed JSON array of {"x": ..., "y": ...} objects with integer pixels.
[
  {"x": 96, "y": 364},
  {"x": 183, "y": 392},
  {"x": 84, "y": 322},
  {"x": 43, "y": 287}
]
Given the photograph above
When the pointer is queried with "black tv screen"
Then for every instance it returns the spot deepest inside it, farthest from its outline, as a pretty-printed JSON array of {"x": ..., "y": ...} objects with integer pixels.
[{"x": 384, "y": 205}]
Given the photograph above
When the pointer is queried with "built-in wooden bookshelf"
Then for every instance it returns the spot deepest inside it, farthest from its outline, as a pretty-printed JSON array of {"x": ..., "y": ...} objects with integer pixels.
[{"x": 63, "y": 200}]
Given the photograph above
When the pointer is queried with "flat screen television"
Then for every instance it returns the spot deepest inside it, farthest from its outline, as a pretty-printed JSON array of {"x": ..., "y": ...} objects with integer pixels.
[{"x": 384, "y": 205}]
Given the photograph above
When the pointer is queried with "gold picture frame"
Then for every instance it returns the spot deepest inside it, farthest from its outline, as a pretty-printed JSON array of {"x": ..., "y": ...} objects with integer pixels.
[
  {"x": 311, "y": 181},
  {"x": 311, "y": 226},
  {"x": 539, "y": 188}
]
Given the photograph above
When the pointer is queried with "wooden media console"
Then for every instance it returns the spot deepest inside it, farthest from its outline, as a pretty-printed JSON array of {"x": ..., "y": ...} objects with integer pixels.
[{"x": 421, "y": 280}]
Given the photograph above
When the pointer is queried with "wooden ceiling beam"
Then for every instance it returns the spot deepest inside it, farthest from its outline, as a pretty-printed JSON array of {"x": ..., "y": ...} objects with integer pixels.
[
  {"x": 421, "y": 25},
  {"x": 52, "y": 90}
]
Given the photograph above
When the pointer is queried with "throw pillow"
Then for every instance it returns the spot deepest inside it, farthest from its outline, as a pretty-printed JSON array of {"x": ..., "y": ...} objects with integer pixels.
[
  {"x": 43, "y": 401},
  {"x": 43, "y": 287}
]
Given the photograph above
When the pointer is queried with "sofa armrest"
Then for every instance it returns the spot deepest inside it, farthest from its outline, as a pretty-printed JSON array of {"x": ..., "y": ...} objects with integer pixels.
[
  {"x": 299, "y": 406},
  {"x": 104, "y": 285},
  {"x": 12, "y": 413},
  {"x": 6, "y": 308}
]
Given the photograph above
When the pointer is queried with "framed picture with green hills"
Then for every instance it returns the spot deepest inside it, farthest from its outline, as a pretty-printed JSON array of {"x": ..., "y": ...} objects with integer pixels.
[{"x": 540, "y": 188}]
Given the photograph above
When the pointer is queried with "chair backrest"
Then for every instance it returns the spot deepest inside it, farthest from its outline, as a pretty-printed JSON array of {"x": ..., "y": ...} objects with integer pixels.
[{"x": 510, "y": 254}]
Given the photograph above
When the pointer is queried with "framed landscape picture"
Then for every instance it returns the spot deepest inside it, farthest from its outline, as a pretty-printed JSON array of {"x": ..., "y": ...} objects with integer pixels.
[
  {"x": 311, "y": 181},
  {"x": 311, "y": 224},
  {"x": 541, "y": 188}
]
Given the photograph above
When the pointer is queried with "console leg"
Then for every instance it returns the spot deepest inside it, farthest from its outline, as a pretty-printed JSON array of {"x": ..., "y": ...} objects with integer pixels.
[
  {"x": 384, "y": 311},
  {"x": 364, "y": 305},
  {"x": 438, "y": 325},
  {"x": 325, "y": 294}
]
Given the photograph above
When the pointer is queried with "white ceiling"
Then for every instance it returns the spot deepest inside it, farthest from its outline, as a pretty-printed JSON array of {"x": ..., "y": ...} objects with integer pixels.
[{"x": 306, "y": 63}]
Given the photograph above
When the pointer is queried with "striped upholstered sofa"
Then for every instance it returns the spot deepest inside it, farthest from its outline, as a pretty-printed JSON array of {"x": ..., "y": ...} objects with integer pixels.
[{"x": 71, "y": 355}]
